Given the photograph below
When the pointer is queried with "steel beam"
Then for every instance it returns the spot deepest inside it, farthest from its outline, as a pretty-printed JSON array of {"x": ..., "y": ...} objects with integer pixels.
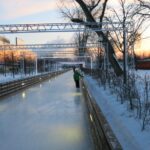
[
  {"x": 55, "y": 27},
  {"x": 46, "y": 46}
]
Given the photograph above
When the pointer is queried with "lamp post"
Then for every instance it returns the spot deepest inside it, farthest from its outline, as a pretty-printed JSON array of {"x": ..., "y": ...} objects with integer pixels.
[
  {"x": 4, "y": 60},
  {"x": 13, "y": 65},
  {"x": 36, "y": 65}
]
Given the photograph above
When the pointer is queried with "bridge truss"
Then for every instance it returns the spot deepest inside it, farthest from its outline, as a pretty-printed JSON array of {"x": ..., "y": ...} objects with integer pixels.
[
  {"x": 57, "y": 27},
  {"x": 46, "y": 46}
]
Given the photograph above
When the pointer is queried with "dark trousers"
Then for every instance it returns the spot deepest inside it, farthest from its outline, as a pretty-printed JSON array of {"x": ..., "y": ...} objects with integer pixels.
[{"x": 77, "y": 83}]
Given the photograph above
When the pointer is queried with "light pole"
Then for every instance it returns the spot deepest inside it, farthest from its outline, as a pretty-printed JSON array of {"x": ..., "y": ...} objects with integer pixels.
[
  {"x": 36, "y": 65},
  {"x": 4, "y": 60}
]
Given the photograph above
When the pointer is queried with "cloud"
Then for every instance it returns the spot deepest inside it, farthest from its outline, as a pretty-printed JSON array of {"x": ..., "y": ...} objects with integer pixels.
[{"x": 20, "y": 8}]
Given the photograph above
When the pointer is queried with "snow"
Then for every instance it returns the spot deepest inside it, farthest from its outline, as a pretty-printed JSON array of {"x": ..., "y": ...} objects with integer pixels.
[
  {"x": 142, "y": 73},
  {"x": 126, "y": 127},
  {"x": 9, "y": 77}
]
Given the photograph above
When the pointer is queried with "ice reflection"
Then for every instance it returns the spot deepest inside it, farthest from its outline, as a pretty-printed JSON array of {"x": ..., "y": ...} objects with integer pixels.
[
  {"x": 76, "y": 94},
  {"x": 23, "y": 95},
  {"x": 3, "y": 107},
  {"x": 60, "y": 137},
  {"x": 66, "y": 134}
]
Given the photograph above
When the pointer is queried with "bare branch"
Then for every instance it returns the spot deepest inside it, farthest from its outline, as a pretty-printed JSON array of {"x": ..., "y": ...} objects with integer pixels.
[
  {"x": 94, "y": 5},
  {"x": 103, "y": 11}
]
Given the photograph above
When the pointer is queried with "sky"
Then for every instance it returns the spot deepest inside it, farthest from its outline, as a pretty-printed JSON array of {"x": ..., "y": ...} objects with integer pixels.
[
  {"x": 40, "y": 11},
  {"x": 32, "y": 11}
]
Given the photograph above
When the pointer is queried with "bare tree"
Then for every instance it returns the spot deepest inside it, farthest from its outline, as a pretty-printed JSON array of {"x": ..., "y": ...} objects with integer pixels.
[
  {"x": 144, "y": 4},
  {"x": 146, "y": 104},
  {"x": 144, "y": 8},
  {"x": 127, "y": 16},
  {"x": 89, "y": 8},
  {"x": 81, "y": 39}
]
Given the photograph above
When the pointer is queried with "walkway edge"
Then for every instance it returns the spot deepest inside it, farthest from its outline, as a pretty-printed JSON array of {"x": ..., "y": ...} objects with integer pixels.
[{"x": 104, "y": 138}]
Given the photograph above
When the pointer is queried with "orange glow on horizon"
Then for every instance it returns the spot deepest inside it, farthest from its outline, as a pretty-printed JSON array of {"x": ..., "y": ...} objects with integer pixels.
[
  {"x": 143, "y": 53},
  {"x": 16, "y": 55}
]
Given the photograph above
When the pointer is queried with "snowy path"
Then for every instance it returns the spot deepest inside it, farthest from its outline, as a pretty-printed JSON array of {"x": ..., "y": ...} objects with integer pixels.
[
  {"x": 47, "y": 116},
  {"x": 126, "y": 128}
]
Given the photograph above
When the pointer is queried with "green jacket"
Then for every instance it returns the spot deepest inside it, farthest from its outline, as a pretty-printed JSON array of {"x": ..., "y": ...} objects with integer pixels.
[{"x": 77, "y": 76}]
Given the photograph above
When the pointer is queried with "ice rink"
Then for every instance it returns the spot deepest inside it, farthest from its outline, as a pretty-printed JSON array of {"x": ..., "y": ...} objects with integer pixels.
[{"x": 47, "y": 116}]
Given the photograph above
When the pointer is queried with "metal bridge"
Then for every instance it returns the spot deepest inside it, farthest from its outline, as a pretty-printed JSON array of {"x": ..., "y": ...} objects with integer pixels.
[
  {"x": 57, "y": 27},
  {"x": 47, "y": 46}
]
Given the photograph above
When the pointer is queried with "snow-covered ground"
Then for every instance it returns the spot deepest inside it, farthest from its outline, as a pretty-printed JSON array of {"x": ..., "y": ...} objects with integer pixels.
[
  {"x": 126, "y": 127},
  {"x": 9, "y": 77},
  {"x": 142, "y": 73}
]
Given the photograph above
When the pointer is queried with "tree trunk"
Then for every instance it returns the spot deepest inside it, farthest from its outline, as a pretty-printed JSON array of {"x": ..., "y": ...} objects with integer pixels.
[{"x": 117, "y": 68}]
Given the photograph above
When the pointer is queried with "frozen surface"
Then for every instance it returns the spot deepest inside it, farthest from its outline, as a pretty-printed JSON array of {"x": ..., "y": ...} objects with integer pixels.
[
  {"x": 126, "y": 128},
  {"x": 47, "y": 116}
]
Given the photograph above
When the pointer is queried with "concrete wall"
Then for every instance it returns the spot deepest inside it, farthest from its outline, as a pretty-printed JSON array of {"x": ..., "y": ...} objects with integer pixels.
[{"x": 103, "y": 136}]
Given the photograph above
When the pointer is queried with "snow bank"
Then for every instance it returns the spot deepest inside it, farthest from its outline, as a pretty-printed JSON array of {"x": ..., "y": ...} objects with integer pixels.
[
  {"x": 9, "y": 77},
  {"x": 126, "y": 128}
]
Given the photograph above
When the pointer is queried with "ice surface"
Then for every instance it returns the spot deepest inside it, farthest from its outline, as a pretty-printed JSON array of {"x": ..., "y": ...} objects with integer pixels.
[{"x": 47, "y": 116}]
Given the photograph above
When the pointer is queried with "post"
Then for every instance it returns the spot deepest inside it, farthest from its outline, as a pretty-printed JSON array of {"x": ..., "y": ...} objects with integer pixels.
[
  {"x": 36, "y": 66},
  {"x": 16, "y": 41},
  {"x": 56, "y": 66},
  {"x": 23, "y": 64},
  {"x": 4, "y": 61},
  {"x": 44, "y": 65},
  {"x": 13, "y": 69}
]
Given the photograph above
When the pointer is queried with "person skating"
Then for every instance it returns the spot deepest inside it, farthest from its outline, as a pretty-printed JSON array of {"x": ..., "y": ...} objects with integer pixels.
[{"x": 77, "y": 77}]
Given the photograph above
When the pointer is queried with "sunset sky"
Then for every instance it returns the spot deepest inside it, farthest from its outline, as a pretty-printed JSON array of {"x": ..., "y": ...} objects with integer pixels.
[{"x": 41, "y": 11}]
